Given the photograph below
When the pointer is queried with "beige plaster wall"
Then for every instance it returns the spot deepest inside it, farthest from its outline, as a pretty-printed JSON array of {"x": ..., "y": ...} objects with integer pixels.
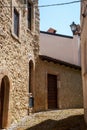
[
  {"x": 69, "y": 85},
  {"x": 61, "y": 47}
]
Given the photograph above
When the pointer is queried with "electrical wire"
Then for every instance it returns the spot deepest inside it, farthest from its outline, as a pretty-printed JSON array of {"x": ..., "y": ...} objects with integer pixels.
[
  {"x": 60, "y": 4},
  {"x": 41, "y": 6}
]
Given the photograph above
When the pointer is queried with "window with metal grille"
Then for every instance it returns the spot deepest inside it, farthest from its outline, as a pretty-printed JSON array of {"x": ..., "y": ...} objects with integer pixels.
[
  {"x": 16, "y": 22},
  {"x": 29, "y": 15}
]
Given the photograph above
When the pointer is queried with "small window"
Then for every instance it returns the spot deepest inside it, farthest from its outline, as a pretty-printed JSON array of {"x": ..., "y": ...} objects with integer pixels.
[
  {"x": 29, "y": 15},
  {"x": 16, "y": 22}
]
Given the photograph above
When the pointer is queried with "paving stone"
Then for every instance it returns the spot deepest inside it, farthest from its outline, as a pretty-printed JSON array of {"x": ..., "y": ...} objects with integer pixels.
[{"x": 71, "y": 119}]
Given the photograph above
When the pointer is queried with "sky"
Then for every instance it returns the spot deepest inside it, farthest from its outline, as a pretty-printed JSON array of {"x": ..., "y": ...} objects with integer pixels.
[{"x": 59, "y": 17}]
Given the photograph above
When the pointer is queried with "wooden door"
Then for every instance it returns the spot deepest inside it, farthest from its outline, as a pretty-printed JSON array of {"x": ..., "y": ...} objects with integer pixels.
[
  {"x": 4, "y": 102},
  {"x": 52, "y": 91}
]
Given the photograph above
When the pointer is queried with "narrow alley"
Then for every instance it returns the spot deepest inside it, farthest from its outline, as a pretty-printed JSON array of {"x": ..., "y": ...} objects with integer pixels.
[{"x": 71, "y": 119}]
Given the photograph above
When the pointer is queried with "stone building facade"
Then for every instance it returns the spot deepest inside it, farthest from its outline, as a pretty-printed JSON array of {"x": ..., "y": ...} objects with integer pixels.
[
  {"x": 19, "y": 47},
  {"x": 84, "y": 52},
  {"x": 67, "y": 80},
  {"x": 58, "y": 73},
  {"x": 23, "y": 72}
]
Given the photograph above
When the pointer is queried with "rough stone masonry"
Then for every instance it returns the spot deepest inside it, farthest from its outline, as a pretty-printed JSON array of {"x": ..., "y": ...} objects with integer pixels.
[{"x": 15, "y": 54}]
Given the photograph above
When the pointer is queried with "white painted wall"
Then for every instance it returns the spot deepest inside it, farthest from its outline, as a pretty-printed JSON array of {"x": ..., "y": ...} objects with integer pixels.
[{"x": 60, "y": 48}]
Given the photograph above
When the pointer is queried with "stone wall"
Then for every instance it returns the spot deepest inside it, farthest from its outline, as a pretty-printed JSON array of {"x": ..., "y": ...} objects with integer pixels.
[
  {"x": 69, "y": 84},
  {"x": 84, "y": 53},
  {"x": 15, "y": 54}
]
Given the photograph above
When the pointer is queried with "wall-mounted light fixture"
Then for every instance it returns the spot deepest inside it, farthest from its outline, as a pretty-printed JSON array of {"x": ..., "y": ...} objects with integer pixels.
[{"x": 75, "y": 28}]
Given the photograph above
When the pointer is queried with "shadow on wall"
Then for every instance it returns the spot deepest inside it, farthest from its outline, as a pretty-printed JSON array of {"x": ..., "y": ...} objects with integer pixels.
[{"x": 70, "y": 123}]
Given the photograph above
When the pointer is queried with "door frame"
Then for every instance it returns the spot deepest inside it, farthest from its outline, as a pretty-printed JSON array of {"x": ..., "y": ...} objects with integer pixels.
[
  {"x": 52, "y": 85},
  {"x": 58, "y": 85}
]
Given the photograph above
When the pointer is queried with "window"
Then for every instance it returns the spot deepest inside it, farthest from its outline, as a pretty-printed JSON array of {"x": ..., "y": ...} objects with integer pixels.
[
  {"x": 16, "y": 22},
  {"x": 29, "y": 15}
]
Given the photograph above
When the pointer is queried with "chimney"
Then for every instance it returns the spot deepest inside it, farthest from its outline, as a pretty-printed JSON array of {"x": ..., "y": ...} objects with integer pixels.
[{"x": 51, "y": 30}]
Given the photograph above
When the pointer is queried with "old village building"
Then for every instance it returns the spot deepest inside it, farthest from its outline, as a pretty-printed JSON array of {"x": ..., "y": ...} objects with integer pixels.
[
  {"x": 84, "y": 52},
  {"x": 19, "y": 38},
  {"x": 58, "y": 71},
  {"x": 49, "y": 69}
]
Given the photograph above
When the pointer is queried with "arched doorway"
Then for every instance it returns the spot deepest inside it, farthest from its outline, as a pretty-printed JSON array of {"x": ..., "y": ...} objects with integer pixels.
[
  {"x": 31, "y": 77},
  {"x": 4, "y": 101}
]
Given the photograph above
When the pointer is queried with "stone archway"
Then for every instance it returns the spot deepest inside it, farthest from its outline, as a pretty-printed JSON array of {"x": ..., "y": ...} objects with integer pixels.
[{"x": 4, "y": 101}]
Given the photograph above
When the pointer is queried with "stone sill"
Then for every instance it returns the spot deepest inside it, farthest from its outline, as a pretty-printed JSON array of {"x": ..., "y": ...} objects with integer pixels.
[
  {"x": 16, "y": 38},
  {"x": 30, "y": 32}
]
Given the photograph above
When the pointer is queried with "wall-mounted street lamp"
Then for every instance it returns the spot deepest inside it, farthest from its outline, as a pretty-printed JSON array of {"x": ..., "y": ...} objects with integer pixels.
[{"x": 75, "y": 29}]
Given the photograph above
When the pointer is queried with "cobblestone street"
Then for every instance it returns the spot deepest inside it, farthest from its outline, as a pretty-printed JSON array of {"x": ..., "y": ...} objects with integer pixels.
[{"x": 71, "y": 119}]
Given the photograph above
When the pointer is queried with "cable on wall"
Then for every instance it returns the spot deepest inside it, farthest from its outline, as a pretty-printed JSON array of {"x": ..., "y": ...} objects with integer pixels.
[{"x": 41, "y": 6}]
